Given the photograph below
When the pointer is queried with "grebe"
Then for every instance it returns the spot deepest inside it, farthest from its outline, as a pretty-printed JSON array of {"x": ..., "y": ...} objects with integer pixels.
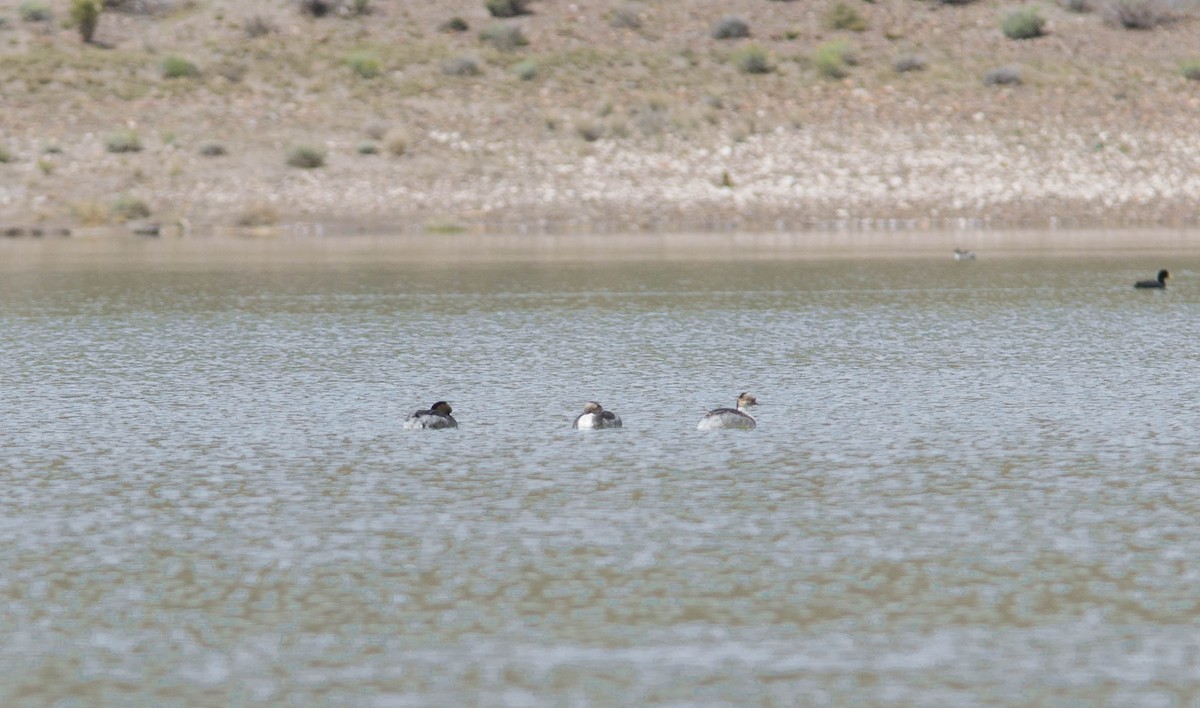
[
  {"x": 1161, "y": 282},
  {"x": 437, "y": 417},
  {"x": 594, "y": 416},
  {"x": 731, "y": 417},
  {"x": 961, "y": 255}
]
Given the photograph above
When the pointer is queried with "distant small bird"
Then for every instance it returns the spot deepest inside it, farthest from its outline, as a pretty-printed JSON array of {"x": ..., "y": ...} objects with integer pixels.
[
  {"x": 594, "y": 416},
  {"x": 437, "y": 417},
  {"x": 731, "y": 417},
  {"x": 1160, "y": 282},
  {"x": 961, "y": 255}
]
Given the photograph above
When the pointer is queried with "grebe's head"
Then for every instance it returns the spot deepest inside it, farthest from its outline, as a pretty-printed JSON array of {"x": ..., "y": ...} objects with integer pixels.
[
  {"x": 592, "y": 407},
  {"x": 746, "y": 400},
  {"x": 441, "y": 408},
  {"x": 1163, "y": 275}
]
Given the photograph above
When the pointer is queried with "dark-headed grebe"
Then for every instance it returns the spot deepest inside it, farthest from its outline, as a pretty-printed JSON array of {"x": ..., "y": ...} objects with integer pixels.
[
  {"x": 731, "y": 417},
  {"x": 1161, "y": 282},
  {"x": 961, "y": 255},
  {"x": 437, "y": 417},
  {"x": 594, "y": 416}
]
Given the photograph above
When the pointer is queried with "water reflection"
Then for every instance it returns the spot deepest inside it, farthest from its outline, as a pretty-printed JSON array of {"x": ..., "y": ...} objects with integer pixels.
[{"x": 970, "y": 482}]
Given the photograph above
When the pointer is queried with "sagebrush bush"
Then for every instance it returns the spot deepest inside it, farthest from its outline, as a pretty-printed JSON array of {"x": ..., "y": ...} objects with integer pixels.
[
  {"x": 753, "y": 60},
  {"x": 257, "y": 216},
  {"x": 397, "y": 143},
  {"x": 908, "y": 63},
  {"x": 625, "y": 19},
  {"x": 123, "y": 141},
  {"x": 454, "y": 25},
  {"x": 85, "y": 16},
  {"x": 1190, "y": 69},
  {"x": 526, "y": 70},
  {"x": 212, "y": 150},
  {"x": 306, "y": 157},
  {"x": 461, "y": 66},
  {"x": 316, "y": 8},
  {"x": 177, "y": 67},
  {"x": 1025, "y": 23},
  {"x": 843, "y": 17},
  {"x": 730, "y": 27},
  {"x": 504, "y": 37},
  {"x": 1003, "y": 76},
  {"x": 1080, "y": 6},
  {"x": 365, "y": 64},
  {"x": 5, "y": 156},
  {"x": 128, "y": 207},
  {"x": 35, "y": 11},
  {"x": 367, "y": 147},
  {"x": 1140, "y": 14},
  {"x": 257, "y": 26},
  {"x": 833, "y": 59},
  {"x": 507, "y": 8}
]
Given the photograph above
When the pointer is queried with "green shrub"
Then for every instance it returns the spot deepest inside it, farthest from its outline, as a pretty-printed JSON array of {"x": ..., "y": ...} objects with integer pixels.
[
  {"x": 1190, "y": 69},
  {"x": 5, "y": 156},
  {"x": 257, "y": 26},
  {"x": 504, "y": 37},
  {"x": 212, "y": 150},
  {"x": 833, "y": 59},
  {"x": 128, "y": 208},
  {"x": 908, "y": 63},
  {"x": 365, "y": 64},
  {"x": 35, "y": 11},
  {"x": 306, "y": 156},
  {"x": 1140, "y": 14},
  {"x": 526, "y": 70},
  {"x": 843, "y": 17},
  {"x": 461, "y": 66},
  {"x": 730, "y": 27},
  {"x": 367, "y": 147},
  {"x": 507, "y": 8},
  {"x": 1003, "y": 76},
  {"x": 753, "y": 60},
  {"x": 176, "y": 67},
  {"x": 316, "y": 8},
  {"x": 1025, "y": 23},
  {"x": 85, "y": 15},
  {"x": 625, "y": 19},
  {"x": 1080, "y": 6},
  {"x": 123, "y": 141},
  {"x": 454, "y": 25}
]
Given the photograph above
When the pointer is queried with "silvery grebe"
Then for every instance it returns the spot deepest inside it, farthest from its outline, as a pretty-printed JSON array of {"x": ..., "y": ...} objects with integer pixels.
[
  {"x": 731, "y": 417},
  {"x": 1161, "y": 282},
  {"x": 961, "y": 255},
  {"x": 437, "y": 417},
  {"x": 594, "y": 416}
]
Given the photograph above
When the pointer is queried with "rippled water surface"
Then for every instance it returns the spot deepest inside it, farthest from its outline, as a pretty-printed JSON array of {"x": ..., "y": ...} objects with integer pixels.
[{"x": 972, "y": 483}]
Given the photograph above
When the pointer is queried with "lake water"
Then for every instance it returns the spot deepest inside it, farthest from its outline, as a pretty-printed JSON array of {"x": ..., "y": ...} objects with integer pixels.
[{"x": 972, "y": 482}]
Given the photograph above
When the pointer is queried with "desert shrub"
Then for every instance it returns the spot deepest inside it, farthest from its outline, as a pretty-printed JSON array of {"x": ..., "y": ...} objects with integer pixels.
[
  {"x": 367, "y": 147},
  {"x": 212, "y": 150},
  {"x": 5, "y": 156},
  {"x": 1190, "y": 69},
  {"x": 123, "y": 141},
  {"x": 843, "y": 17},
  {"x": 956, "y": 2},
  {"x": 306, "y": 157},
  {"x": 753, "y": 60},
  {"x": 1025, "y": 23},
  {"x": 1003, "y": 76},
  {"x": 257, "y": 26},
  {"x": 454, "y": 24},
  {"x": 833, "y": 60},
  {"x": 139, "y": 7},
  {"x": 257, "y": 216},
  {"x": 590, "y": 130},
  {"x": 1140, "y": 14},
  {"x": 359, "y": 7},
  {"x": 365, "y": 64},
  {"x": 35, "y": 11},
  {"x": 908, "y": 63},
  {"x": 177, "y": 67},
  {"x": 316, "y": 8},
  {"x": 85, "y": 15},
  {"x": 507, "y": 8},
  {"x": 504, "y": 37},
  {"x": 730, "y": 27},
  {"x": 526, "y": 70},
  {"x": 397, "y": 144},
  {"x": 1079, "y": 6},
  {"x": 624, "y": 19},
  {"x": 128, "y": 208},
  {"x": 461, "y": 66}
]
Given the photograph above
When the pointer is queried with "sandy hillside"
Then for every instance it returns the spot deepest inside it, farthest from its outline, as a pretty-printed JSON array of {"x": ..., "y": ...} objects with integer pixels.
[{"x": 599, "y": 115}]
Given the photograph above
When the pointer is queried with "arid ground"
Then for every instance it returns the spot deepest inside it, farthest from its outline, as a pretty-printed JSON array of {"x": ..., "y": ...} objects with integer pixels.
[{"x": 599, "y": 115}]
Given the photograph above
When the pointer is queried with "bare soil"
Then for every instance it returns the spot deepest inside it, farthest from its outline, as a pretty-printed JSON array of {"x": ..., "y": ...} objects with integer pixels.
[{"x": 616, "y": 116}]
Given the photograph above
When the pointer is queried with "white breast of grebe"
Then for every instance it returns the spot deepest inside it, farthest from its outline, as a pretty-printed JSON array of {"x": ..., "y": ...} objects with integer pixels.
[
  {"x": 727, "y": 418},
  {"x": 598, "y": 421},
  {"x": 424, "y": 420}
]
